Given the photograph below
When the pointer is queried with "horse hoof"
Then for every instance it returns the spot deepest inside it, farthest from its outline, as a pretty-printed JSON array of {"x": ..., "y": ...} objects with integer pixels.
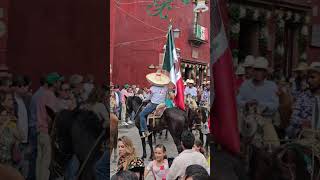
[
  {"x": 143, "y": 157},
  {"x": 150, "y": 158}
]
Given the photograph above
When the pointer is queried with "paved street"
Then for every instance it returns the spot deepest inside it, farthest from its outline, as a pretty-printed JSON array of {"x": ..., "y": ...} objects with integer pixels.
[{"x": 133, "y": 133}]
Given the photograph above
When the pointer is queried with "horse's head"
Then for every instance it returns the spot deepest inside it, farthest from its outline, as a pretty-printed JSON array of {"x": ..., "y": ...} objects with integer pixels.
[
  {"x": 291, "y": 162},
  {"x": 133, "y": 103}
]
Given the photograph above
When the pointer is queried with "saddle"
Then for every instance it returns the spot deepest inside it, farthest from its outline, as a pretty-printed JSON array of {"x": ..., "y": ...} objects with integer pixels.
[{"x": 156, "y": 114}]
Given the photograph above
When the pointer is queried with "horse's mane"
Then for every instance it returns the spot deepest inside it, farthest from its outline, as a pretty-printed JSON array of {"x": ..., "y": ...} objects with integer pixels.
[{"x": 89, "y": 121}]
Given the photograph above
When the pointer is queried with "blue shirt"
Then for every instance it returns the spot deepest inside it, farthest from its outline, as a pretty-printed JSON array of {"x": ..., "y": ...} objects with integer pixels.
[
  {"x": 265, "y": 94},
  {"x": 33, "y": 107},
  {"x": 302, "y": 111},
  {"x": 157, "y": 94}
]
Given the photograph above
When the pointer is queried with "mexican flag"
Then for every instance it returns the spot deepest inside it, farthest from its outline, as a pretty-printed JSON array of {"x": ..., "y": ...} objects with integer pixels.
[
  {"x": 224, "y": 113},
  {"x": 172, "y": 65}
]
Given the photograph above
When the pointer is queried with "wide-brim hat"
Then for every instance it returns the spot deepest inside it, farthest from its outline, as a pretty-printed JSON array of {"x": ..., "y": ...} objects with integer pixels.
[
  {"x": 261, "y": 63},
  {"x": 190, "y": 81},
  {"x": 315, "y": 66},
  {"x": 158, "y": 79},
  {"x": 301, "y": 67},
  {"x": 249, "y": 61},
  {"x": 240, "y": 70}
]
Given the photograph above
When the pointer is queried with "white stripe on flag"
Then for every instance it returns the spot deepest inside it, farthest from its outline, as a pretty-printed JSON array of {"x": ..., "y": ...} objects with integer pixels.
[{"x": 220, "y": 44}]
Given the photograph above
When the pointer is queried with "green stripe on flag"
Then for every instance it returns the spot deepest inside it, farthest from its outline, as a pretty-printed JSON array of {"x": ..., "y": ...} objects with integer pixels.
[{"x": 168, "y": 56}]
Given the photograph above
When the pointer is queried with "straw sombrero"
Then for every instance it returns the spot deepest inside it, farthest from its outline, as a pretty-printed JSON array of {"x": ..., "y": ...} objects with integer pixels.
[
  {"x": 301, "y": 67},
  {"x": 158, "y": 79}
]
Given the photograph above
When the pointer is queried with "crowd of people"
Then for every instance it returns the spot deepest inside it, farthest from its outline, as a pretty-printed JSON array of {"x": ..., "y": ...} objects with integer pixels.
[
  {"x": 25, "y": 124},
  {"x": 255, "y": 86},
  {"x": 190, "y": 164}
]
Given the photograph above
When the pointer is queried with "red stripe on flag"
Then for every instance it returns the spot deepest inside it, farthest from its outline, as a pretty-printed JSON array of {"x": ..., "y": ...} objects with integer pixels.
[
  {"x": 179, "y": 99},
  {"x": 224, "y": 116}
]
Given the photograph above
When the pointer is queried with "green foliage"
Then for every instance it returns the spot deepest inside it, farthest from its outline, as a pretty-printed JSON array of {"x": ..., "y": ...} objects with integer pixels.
[{"x": 158, "y": 6}]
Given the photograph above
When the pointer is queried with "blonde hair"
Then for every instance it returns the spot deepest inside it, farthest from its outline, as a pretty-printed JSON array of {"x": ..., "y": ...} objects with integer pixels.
[{"x": 130, "y": 151}]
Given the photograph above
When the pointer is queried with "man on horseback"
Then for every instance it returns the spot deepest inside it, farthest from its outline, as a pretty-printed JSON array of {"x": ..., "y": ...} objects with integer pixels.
[
  {"x": 261, "y": 93},
  {"x": 190, "y": 89},
  {"x": 306, "y": 110},
  {"x": 158, "y": 93}
]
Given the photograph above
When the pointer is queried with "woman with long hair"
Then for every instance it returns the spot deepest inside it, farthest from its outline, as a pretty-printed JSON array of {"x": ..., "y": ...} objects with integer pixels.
[{"x": 128, "y": 159}]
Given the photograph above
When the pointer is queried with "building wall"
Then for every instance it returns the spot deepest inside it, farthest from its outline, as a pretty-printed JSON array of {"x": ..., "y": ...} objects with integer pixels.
[
  {"x": 66, "y": 37},
  {"x": 139, "y": 39},
  {"x": 314, "y": 52}
]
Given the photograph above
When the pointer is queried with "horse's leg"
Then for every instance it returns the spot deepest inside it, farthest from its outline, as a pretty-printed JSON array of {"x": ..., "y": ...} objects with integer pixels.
[
  {"x": 151, "y": 148},
  {"x": 166, "y": 137},
  {"x": 115, "y": 157},
  {"x": 143, "y": 141},
  {"x": 160, "y": 134},
  {"x": 201, "y": 136},
  {"x": 154, "y": 137}
]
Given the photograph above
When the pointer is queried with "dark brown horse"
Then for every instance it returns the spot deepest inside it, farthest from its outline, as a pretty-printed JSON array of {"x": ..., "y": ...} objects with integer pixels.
[
  {"x": 173, "y": 119},
  {"x": 113, "y": 135},
  {"x": 288, "y": 162},
  {"x": 75, "y": 133}
]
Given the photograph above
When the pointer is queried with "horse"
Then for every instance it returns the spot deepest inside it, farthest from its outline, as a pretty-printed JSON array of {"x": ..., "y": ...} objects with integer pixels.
[
  {"x": 173, "y": 119},
  {"x": 9, "y": 173},
  {"x": 285, "y": 108},
  {"x": 287, "y": 162},
  {"x": 113, "y": 136},
  {"x": 78, "y": 132}
]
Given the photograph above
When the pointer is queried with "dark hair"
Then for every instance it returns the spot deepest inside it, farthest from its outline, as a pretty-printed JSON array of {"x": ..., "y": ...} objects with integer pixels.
[
  {"x": 18, "y": 81},
  {"x": 161, "y": 146},
  {"x": 27, "y": 80},
  {"x": 42, "y": 81},
  {"x": 187, "y": 139},
  {"x": 124, "y": 175},
  {"x": 198, "y": 143},
  {"x": 197, "y": 172}
]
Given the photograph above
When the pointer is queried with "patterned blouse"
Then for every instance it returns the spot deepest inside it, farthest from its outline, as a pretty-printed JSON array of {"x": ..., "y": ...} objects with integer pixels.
[
  {"x": 136, "y": 165},
  {"x": 302, "y": 111},
  {"x": 7, "y": 140}
]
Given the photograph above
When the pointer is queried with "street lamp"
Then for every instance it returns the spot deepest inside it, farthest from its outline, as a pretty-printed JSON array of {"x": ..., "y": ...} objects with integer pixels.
[
  {"x": 176, "y": 33},
  {"x": 201, "y": 6}
]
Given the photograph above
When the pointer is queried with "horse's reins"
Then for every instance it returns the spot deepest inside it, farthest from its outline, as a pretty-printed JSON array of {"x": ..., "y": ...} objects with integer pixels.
[{"x": 89, "y": 154}]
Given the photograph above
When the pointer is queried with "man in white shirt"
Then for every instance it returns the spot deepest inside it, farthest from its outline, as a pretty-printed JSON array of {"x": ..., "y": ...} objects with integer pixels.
[
  {"x": 186, "y": 158},
  {"x": 190, "y": 89}
]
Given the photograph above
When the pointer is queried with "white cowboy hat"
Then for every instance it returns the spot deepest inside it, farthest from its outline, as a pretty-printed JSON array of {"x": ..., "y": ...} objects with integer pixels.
[
  {"x": 315, "y": 66},
  {"x": 248, "y": 61},
  {"x": 240, "y": 70},
  {"x": 158, "y": 79},
  {"x": 301, "y": 67},
  {"x": 261, "y": 63},
  {"x": 190, "y": 81}
]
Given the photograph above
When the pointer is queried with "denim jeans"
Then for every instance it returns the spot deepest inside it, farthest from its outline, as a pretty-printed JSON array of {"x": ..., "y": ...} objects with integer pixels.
[
  {"x": 143, "y": 115},
  {"x": 72, "y": 168},
  {"x": 103, "y": 167},
  {"x": 33, "y": 154}
]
